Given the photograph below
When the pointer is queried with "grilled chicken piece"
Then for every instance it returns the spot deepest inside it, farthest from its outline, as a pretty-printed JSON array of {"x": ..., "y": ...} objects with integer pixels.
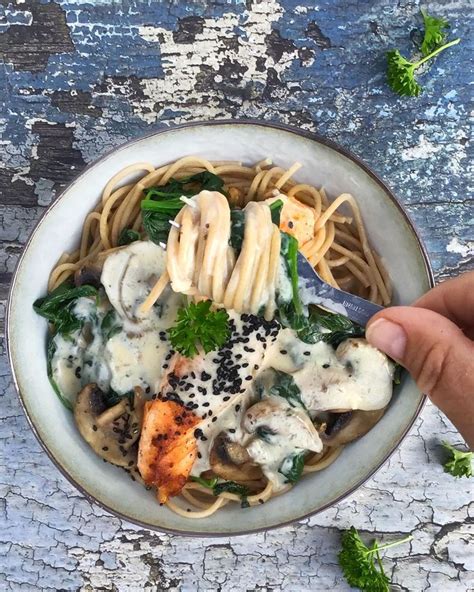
[
  {"x": 193, "y": 393},
  {"x": 167, "y": 447}
]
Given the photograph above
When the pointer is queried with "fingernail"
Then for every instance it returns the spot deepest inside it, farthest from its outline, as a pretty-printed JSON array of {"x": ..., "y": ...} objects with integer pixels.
[{"x": 388, "y": 337}]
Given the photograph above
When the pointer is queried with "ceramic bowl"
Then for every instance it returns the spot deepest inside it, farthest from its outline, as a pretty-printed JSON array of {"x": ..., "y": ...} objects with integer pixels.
[{"x": 324, "y": 164}]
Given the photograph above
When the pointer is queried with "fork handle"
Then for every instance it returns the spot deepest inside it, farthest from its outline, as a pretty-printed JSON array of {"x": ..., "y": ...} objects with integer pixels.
[
  {"x": 357, "y": 309},
  {"x": 314, "y": 290}
]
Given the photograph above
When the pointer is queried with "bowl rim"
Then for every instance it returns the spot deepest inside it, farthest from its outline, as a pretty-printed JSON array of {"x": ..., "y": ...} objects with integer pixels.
[{"x": 315, "y": 137}]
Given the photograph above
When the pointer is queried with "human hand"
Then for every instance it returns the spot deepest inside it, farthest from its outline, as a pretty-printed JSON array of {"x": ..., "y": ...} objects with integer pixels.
[{"x": 434, "y": 340}]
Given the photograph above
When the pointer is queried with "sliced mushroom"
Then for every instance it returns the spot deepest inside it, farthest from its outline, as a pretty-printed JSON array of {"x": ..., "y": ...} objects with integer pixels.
[
  {"x": 111, "y": 432},
  {"x": 128, "y": 276},
  {"x": 274, "y": 419},
  {"x": 231, "y": 461},
  {"x": 349, "y": 426},
  {"x": 89, "y": 273}
]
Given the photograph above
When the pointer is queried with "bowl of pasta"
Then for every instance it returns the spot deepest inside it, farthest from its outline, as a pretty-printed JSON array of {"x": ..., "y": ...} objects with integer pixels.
[{"x": 160, "y": 344}]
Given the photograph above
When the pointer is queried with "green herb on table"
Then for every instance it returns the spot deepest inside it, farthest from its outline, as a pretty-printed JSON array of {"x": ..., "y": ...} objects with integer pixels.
[
  {"x": 163, "y": 203},
  {"x": 435, "y": 33},
  {"x": 199, "y": 326},
  {"x": 459, "y": 464},
  {"x": 401, "y": 72},
  {"x": 362, "y": 565}
]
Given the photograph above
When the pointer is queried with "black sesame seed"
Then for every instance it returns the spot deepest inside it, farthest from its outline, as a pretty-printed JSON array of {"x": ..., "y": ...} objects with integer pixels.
[
  {"x": 205, "y": 376},
  {"x": 105, "y": 448},
  {"x": 283, "y": 352},
  {"x": 306, "y": 353},
  {"x": 232, "y": 430},
  {"x": 237, "y": 408},
  {"x": 94, "y": 427},
  {"x": 326, "y": 365},
  {"x": 214, "y": 419},
  {"x": 226, "y": 398}
]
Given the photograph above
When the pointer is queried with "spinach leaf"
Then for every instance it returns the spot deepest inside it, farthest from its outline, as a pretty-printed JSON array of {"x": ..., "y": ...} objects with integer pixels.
[
  {"x": 51, "y": 350},
  {"x": 162, "y": 204},
  {"x": 286, "y": 387},
  {"x": 275, "y": 209},
  {"x": 228, "y": 486},
  {"x": 233, "y": 487},
  {"x": 209, "y": 483},
  {"x": 127, "y": 236},
  {"x": 58, "y": 307},
  {"x": 329, "y": 327},
  {"x": 292, "y": 467},
  {"x": 291, "y": 312},
  {"x": 110, "y": 325},
  {"x": 111, "y": 398},
  {"x": 237, "y": 229}
]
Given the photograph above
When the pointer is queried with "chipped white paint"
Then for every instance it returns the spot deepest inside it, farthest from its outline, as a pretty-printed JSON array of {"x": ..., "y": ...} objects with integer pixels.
[
  {"x": 184, "y": 62},
  {"x": 424, "y": 149},
  {"x": 465, "y": 249}
]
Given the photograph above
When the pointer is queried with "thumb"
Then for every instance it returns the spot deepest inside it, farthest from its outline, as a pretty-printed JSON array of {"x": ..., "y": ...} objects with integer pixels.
[{"x": 436, "y": 353}]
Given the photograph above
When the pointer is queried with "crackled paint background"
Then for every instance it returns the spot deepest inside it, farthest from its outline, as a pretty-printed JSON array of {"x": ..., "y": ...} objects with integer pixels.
[{"x": 78, "y": 78}]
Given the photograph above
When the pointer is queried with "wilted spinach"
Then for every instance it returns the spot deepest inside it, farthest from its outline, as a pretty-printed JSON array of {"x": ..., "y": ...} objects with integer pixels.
[
  {"x": 58, "y": 307},
  {"x": 329, "y": 327},
  {"x": 110, "y": 325},
  {"x": 162, "y": 204},
  {"x": 292, "y": 467},
  {"x": 233, "y": 487},
  {"x": 128, "y": 236},
  {"x": 286, "y": 387}
]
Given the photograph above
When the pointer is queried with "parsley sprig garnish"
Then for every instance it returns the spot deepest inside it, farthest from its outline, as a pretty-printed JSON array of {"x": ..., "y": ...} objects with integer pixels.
[
  {"x": 197, "y": 326},
  {"x": 401, "y": 72},
  {"x": 362, "y": 565},
  {"x": 459, "y": 464}
]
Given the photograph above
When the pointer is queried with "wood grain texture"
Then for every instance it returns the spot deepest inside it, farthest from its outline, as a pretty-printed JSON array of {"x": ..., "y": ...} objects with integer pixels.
[{"x": 79, "y": 78}]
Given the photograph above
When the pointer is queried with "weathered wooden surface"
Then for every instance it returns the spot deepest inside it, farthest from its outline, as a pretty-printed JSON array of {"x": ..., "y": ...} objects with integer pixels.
[{"x": 78, "y": 78}]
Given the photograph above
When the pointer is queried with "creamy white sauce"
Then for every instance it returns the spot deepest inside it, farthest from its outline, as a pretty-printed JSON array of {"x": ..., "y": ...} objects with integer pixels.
[
  {"x": 288, "y": 431},
  {"x": 135, "y": 360},
  {"x": 135, "y": 355},
  {"x": 229, "y": 422}
]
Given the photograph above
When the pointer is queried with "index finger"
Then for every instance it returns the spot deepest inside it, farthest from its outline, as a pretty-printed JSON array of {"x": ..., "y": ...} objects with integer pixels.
[{"x": 454, "y": 299}]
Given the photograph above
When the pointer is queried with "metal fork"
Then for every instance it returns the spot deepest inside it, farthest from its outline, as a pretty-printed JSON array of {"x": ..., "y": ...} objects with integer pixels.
[{"x": 314, "y": 290}]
